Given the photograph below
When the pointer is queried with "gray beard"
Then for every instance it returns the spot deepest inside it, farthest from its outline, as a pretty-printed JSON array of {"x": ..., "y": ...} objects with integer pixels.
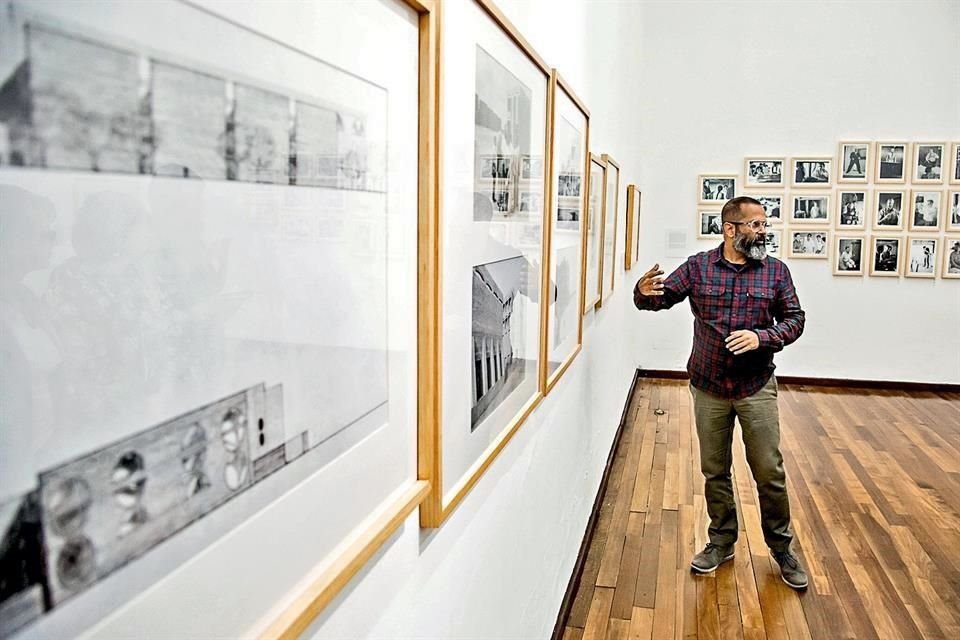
[{"x": 755, "y": 249}]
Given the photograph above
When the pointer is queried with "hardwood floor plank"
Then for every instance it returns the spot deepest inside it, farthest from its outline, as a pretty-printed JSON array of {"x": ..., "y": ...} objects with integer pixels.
[
  {"x": 629, "y": 569},
  {"x": 641, "y": 624},
  {"x": 664, "y": 618},
  {"x": 599, "y": 618}
]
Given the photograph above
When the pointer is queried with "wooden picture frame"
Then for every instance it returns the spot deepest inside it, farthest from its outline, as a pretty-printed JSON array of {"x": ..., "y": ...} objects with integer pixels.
[
  {"x": 811, "y": 172},
  {"x": 810, "y": 208},
  {"x": 847, "y": 161},
  {"x": 853, "y": 207},
  {"x": 773, "y": 240},
  {"x": 709, "y": 224},
  {"x": 611, "y": 213},
  {"x": 889, "y": 205},
  {"x": 950, "y": 269},
  {"x": 930, "y": 162},
  {"x": 809, "y": 243},
  {"x": 849, "y": 255},
  {"x": 764, "y": 172},
  {"x": 892, "y": 159},
  {"x": 716, "y": 188},
  {"x": 881, "y": 266},
  {"x": 926, "y": 210},
  {"x": 922, "y": 259},
  {"x": 954, "y": 163},
  {"x": 952, "y": 212},
  {"x": 773, "y": 206},
  {"x": 633, "y": 204},
  {"x": 593, "y": 289}
]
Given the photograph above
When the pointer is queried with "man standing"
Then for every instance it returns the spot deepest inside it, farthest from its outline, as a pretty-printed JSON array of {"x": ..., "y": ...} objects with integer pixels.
[{"x": 745, "y": 309}]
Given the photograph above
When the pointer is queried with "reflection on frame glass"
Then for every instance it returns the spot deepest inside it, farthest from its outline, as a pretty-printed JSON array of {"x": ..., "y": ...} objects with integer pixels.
[
  {"x": 848, "y": 254},
  {"x": 594, "y": 232}
]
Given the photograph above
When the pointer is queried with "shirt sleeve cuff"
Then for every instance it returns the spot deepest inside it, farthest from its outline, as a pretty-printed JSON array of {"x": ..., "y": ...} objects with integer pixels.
[{"x": 766, "y": 340}]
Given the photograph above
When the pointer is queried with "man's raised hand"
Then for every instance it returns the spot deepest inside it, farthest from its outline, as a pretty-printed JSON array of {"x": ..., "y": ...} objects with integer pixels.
[{"x": 650, "y": 283}]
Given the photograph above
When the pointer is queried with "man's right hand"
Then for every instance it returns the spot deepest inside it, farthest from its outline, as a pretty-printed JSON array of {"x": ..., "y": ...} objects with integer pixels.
[{"x": 651, "y": 284}]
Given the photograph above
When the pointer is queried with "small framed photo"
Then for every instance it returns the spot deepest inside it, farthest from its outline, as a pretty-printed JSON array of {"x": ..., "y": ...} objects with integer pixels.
[
  {"x": 888, "y": 210},
  {"x": 922, "y": 257},
  {"x": 885, "y": 252},
  {"x": 814, "y": 171},
  {"x": 711, "y": 225},
  {"x": 951, "y": 258},
  {"x": 955, "y": 163},
  {"x": 925, "y": 210},
  {"x": 812, "y": 243},
  {"x": 717, "y": 189},
  {"x": 851, "y": 209},
  {"x": 928, "y": 162},
  {"x": 811, "y": 209},
  {"x": 773, "y": 239},
  {"x": 891, "y": 162},
  {"x": 763, "y": 172},
  {"x": 848, "y": 255},
  {"x": 772, "y": 206},
  {"x": 953, "y": 211},
  {"x": 531, "y": 201},
  {"x": 854, "y": 162}
]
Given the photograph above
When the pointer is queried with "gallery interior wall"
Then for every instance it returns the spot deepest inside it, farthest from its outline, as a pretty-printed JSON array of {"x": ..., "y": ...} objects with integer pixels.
[{"x": 728, "y": 79}]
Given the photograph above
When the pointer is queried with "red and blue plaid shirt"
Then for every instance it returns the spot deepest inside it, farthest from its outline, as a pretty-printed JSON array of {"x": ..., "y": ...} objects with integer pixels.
[{"x": 726, "y": 297}]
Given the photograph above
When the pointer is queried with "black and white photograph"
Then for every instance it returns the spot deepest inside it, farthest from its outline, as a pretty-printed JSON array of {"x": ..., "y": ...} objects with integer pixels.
[
  {"x": 568, "y": 217},
  {"x": 851, "y": 209},
  {"x": 569, "y": 160},
  {"x": 763, "y": 172},
  {"x": 531, "y": 201},
  {"x": 953, "y": 211},
  {"x": 711, "y": 225},
  {"x": 928, "y": 162},
  {"x": 951, "y": 258},
  {"x": 848, "y": 256},
  {"x": 772, "y": 206},
  {"x": 854, "y": 161},
  {"x": 717, "y": 189},
  {"x": 888, "y": 210},
  {"x": 955, "y": 163},
  {"x": 502, "y": 141},
  {"x": 813, "y": 209},
  {"x": 809, "y": 244},
  {"x": 885, "y": 256},
  {"x": 811, "y": 172},
  {"x": 773, "y": 239},
  {"x": 922, "y": 258},
  {"x": 891, "y": 162},
  {"x": 499, "y": 299},
  {"x": 925, "y": 208},
  {"x": 569, "y": 185}
]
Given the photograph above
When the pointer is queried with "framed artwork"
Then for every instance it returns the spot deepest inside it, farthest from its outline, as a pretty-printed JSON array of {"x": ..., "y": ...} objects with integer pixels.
[
  {"x": 710, "y": 224},
  {"x": 636, "y": 229},
  {"x": 848, "y": 255},
  {"x": 955, "y": 163},
  {"x": 633, "y": 226},
  {"x": 611, "y": 212},
  {"x": 891, "y": 162},
  {"x": 763, "y": 172},
  {"x": 195, "y": 209},
  {"x": 594, "y": 242},
  {"x": 851, "y": 209},
  {"x": 811, "y": 209},
  {"x": 922, "y": 257},
  {"x": 772, "y": 206},
  {"x": 926, "y": 210},
  {"x": 886, "y": 255},
  {"x": 855, "y": 162},
  {"x": 953, "y": 211},
  {"x": 951, "y": 258},
  {"x": 571, "y": 139},
  {"x": 888, "y": 210},
  {"x": 811, "y": 171},
  {"x": 716, "y": 188},
  {"x": 929, "y": 160},
  {"x": 809, "y": 243},
  {"x": 495, "y": 90},
  {"x": 773, "y": 239}
]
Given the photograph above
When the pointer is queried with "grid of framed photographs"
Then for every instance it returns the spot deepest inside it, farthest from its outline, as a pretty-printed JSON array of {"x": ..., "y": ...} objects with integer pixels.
[{"x": 880, "y": 208}]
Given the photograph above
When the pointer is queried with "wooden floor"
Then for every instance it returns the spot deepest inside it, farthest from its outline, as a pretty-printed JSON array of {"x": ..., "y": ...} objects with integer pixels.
[{"x": 874, "y": 484}]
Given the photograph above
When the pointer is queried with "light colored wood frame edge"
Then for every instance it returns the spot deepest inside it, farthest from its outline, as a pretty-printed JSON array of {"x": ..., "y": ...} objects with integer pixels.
[
  {"x": 630, "y": 223},
  {"x": 876, "y": 210},
  {"x": 700, "y": 177},
  {"x": 867, "y": 199},
  {"x": 592, "y": 304},
  {"x": 746, "y": 171},
  {"x": 944, "y": 273},
  {"x": 296, "y": 617},
  {"x": 812, "y": 185},
  {"x": 876, "y": 169},
  {"x": 616, "y": 218},
  {"x": 936, "y": 261},
  {"x": 941, "y": 220},
  {"x": 873, "y": 245},
  {"x": 434, "y": 511},
  {"x": 869, "y": 162},
  {"x": 835, "y": 256},
  {"x": 914, "y": 178}
]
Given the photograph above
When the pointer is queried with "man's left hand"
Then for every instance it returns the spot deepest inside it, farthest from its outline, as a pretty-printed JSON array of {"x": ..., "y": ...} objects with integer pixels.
[{"x": 742, "y": 341}]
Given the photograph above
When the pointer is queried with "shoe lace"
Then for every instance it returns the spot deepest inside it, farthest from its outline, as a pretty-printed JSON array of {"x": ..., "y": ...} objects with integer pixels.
[{"x": 786, "y": 558}]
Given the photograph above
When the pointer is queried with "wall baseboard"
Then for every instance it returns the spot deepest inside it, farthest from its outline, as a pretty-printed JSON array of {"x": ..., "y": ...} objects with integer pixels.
[
  {"x": 567, "y": 603},
  {"x": 822, "y": 382}
]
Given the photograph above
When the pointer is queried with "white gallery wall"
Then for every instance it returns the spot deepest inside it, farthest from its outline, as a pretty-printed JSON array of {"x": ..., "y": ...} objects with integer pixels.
[{"x": 723, "y": 80}]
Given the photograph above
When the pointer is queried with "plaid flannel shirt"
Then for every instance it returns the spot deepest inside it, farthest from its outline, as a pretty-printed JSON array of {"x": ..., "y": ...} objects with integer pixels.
[{"x": 726, "y": 297}]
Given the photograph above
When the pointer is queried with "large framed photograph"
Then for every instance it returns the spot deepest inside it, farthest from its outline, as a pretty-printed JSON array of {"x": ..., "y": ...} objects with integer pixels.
[
  {"x": 888, "y": 210},
  {"x": 181, "y": 388},
  {"x": 763, "y": 172},
  {"x": 709, "y": 224},
  {"x": 855, "y": 159},
  {"x": 951, "y": 258},
  {"x": 809, "y": 243},
  {"x": 886, "y": 255},
  {"x": 955, "y": 163},
  {"x": 926, "y": 209},
  {"x": 953, "y": 211},
  {"x": 811, "y": 209},
  {"x": 811, "y": 171},
  {"x": 922, "y": 257},
  {"x": 611, "y": 215},
  {"x": 848, "y": 254},
  {"x": 773, "y": 240},
  {"x": 571, "y": 139},
  {"x": 929, "y": 161},
  {"x": 632, "y": 233},
  {"x": 772, "y": 204},
  {"x": 716, "y": 188},
  {"x": 891, "y": 162},
  {"x": 852, "y": 209},
  {"x": 593, "y": 279}
]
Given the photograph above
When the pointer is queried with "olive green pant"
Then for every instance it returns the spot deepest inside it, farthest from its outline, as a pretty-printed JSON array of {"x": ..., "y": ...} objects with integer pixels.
[{"x": 760, "y": 423}]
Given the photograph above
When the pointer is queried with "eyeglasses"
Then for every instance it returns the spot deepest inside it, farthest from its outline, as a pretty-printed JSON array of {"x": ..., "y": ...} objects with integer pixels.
[{"x": 755, "y": 225}]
